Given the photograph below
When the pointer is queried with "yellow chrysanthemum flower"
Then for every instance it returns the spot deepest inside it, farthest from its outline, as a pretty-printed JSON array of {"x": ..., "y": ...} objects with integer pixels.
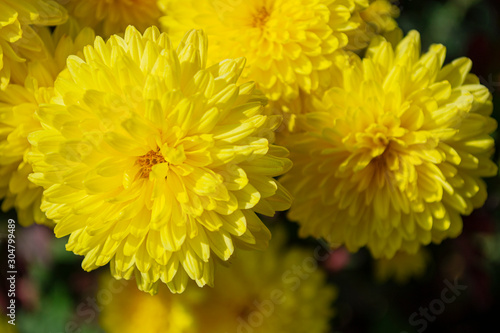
[
  {"x": 155, "y": 163},
  {"x": 402, "y": 267},
  {"x": 108, "y": 17},
  {"x": 371, "y": 18},
  {"x": 18, "y": 40},
  {"x": 18, "y": 104},
  {"x": 280, "y": 290},
  {"x": 395, "y": 152},
  {"x": 288, "y": 43}
]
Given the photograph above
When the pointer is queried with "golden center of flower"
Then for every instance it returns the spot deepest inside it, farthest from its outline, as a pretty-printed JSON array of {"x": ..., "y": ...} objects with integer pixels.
[
  {"x": 146, "y": 162},
  {"x": 260, "y": 18},
  {"x": 381, "y": 160}
]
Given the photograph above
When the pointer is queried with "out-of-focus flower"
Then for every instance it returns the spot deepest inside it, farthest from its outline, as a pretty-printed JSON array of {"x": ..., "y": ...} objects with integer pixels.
[
  {"x": 402, "y": 267},
  {"x": 280, "y": 290},
  {"x": 155, "y": 163},
  {"x": 374, "y": 17},
  {"x": 130, "y": 308},
  {"x": 338, "y": 260},
  {"x": 35, "y": 245},
  {"x": 18, "y": 40},
  {"x": 109, "y": 17},
  {"x": 289, "y": 44},
  {"x": 18, "y": 103},
  {"x": 395, "y": 152}
]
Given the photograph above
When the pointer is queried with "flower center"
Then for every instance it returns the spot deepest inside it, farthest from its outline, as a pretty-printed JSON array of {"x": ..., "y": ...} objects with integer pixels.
[
  {"x": 381, "y": 160},
  {"x": 146, "y": 162},
  {"x": 261, "y": 18}
]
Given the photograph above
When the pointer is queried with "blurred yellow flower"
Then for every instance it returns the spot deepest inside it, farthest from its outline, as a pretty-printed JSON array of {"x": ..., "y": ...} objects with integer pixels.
[
  {"x": 395, "y": 151},
  {"x": 155, "y": 163},
  {"x": 402, "y": 267},
  {"x": 280, "y": 290},
  {"x": 18, "y": 104},
  {"x": 127, "y": 309},
  {"x": 109, "y": 17},
  {"x": 18, "y": 39},
  {"x": 289, "y": 44},
  {"x": 374, "y": 17}
]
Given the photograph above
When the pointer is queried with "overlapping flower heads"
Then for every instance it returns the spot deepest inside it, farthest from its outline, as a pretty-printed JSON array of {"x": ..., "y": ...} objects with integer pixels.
[
  {"x": 18, "y": 39},
  {"x": 110, "y": 17},
  {"x": 154, "y": 163},
  {"x": 156, "y": 157},
  {"x": 373, "y": 18},
  {"x": 18, "y": 103},
  {"x": 288, "y": 294},
  {"x": 394, "y": 153},
  {"x": 289, "y": 44}
]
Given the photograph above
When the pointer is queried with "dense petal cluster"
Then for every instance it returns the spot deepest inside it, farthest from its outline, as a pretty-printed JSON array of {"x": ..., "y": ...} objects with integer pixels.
[
  {"x": 281, "y": 290},
  {"x": 109, "y": 17},
  {"x": 18, "y": 104},
  {"x": 394, "y": 153},
  {"x": 18, "y": 40},
  {"x": 288, "y": 43},
  {"x": 371, "y": 18},
  {"x": 155, "y": 163}
]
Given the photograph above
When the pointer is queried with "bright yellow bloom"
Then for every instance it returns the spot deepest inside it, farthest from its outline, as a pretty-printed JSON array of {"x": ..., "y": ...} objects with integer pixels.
[
  {"x": 402, "y": 267},
  {"x": 371, "y": 18},
  {"x": 395, "y": 151},
  {"x": 109, "y": 17},
  {"x": 155, "y": 163},
  {"x": 18, "y": 104},
  {"x": 18, "y": 40},
  {"x": 280, "y": 290},
  {"x": 289, "y": 44}
]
